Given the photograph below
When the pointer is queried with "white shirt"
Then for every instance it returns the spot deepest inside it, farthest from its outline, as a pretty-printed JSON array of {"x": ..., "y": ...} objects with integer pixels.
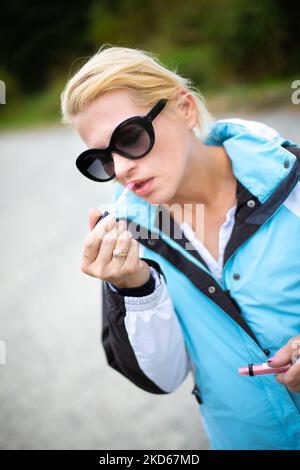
[{"x": 224, "y": 235}]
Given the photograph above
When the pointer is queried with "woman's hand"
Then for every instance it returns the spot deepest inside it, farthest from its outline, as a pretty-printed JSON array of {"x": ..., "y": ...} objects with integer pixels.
[
  {"x": 98, "y": 260},
  {"x": 291, "y": 378}
]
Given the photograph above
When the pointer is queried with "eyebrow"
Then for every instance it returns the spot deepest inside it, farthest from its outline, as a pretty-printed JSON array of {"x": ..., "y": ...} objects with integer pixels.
[{"x": 101, "y": 146}]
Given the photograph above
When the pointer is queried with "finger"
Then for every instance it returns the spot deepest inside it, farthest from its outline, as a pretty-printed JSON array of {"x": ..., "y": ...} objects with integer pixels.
[
  {"x": 291, "y": 378},
  {"x": 122, "y": 226},
  {"x": 108, "y": 243},
  {"x": 94, "y": 216},
  {"x": 98, "y": 232},
  {"x": 293, "y": 386},
  {"x": 123, "y": 243},
  {"x": 133, "y": 254},
  {"x": 282, "y": 356},
  {"x": 107, "y": 224},
  {"x": 122, "y": 230},
  {"x": 122, "y": 261},
  {"x": 93, "y": 240},
  {"x": 280, "y": 378}
]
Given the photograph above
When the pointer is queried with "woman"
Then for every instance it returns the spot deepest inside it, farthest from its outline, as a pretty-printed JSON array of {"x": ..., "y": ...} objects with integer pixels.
[{"x": 200, "y": 263}]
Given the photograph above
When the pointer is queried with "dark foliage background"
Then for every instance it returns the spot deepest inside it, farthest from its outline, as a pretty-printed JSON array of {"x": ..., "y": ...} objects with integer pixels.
[{"x": 217, "y": 43}]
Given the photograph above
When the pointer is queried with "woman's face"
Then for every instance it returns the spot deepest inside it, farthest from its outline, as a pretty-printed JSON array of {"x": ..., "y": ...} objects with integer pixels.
[{"x": 166, "y": 162}]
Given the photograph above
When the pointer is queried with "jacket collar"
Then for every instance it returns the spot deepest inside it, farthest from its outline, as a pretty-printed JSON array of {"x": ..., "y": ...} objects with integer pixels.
[
  {"x": 258, "y": 159},
  {"x": 259, "y": 163}
]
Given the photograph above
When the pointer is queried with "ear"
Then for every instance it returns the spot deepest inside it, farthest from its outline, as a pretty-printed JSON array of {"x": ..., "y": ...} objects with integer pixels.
[{"x": 187, "y": 107}]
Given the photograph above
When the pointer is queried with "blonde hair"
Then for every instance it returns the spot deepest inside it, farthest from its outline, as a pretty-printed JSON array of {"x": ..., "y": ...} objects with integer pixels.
[{"x": 138, "y": 71}]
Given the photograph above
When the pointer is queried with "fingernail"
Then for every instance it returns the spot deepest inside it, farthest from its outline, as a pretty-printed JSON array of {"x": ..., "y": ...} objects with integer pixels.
[{"x": 275, "y": 358}]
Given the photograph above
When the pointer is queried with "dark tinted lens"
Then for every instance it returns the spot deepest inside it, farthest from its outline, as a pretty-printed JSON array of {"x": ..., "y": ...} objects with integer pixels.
[
  {"x": 133, "y": 139},
  {"x": 98, "y": 166}
]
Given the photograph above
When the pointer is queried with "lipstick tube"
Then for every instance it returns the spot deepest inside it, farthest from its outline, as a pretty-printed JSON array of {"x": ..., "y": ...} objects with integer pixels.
[
  {"x": 117, "y": 202},
  {"x": 262, "y": 369}
]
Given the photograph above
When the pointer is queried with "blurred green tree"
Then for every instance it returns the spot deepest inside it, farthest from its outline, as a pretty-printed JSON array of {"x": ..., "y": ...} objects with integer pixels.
[
  {"x": 212, "y": 42},
  {"x": 36, "y": 39}
]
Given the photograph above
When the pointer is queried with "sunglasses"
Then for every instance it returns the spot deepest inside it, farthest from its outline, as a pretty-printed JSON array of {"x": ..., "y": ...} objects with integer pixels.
[{"x": 132, "y": 138}]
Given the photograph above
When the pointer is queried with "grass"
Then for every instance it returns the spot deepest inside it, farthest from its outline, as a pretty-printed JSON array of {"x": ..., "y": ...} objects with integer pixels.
[{"x": 37, "y": 110}]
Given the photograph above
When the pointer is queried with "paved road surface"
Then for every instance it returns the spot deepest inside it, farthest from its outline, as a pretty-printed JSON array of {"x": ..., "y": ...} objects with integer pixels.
[{"x": 56, "y": 390}]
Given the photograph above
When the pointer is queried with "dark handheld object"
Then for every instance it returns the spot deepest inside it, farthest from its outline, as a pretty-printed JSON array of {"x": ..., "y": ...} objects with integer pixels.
[{"x": 102, "y": 216}]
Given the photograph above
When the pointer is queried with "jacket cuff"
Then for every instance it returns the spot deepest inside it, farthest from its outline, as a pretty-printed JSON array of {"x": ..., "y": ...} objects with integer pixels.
[
  {"x": 141, "y": 291},
  {"x": 154, "y": 269}
]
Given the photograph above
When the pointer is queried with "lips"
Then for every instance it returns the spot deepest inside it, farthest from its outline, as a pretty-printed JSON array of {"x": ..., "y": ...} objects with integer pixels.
[
  {"x": 142, "y": 187},
  {"x": 139, "y": 183}
]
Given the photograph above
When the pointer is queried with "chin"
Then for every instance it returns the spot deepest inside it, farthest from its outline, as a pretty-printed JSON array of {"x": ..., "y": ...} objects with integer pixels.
[{"x": 160, "y": 197}]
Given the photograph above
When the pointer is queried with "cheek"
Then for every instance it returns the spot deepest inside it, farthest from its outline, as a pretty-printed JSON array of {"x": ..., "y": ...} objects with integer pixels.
[
  {"x": 167, "y": 163},
  {"x": 170, "y": 151}
]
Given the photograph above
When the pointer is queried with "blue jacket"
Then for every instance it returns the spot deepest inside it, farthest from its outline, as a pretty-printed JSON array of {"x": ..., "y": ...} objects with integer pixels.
[{"x": 247, "y": 317}]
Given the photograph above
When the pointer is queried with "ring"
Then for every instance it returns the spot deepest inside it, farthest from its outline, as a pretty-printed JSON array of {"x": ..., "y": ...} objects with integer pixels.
[
  {"x": 296, "y": 354},
  {"x": 119, "y": 253},
  {"x": 295, "y": 357}
]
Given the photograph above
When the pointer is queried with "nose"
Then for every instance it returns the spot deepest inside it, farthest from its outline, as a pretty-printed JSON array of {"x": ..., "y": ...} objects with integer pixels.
[{"x": 124, "y": 167}]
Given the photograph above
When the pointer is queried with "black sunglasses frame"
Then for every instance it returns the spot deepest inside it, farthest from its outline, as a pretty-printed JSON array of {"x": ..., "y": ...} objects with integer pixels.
[{"x": 144, "y": 121}]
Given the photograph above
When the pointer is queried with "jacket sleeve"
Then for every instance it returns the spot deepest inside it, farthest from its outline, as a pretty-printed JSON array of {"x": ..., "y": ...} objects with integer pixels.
[{"x": 142, "y": 337}]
